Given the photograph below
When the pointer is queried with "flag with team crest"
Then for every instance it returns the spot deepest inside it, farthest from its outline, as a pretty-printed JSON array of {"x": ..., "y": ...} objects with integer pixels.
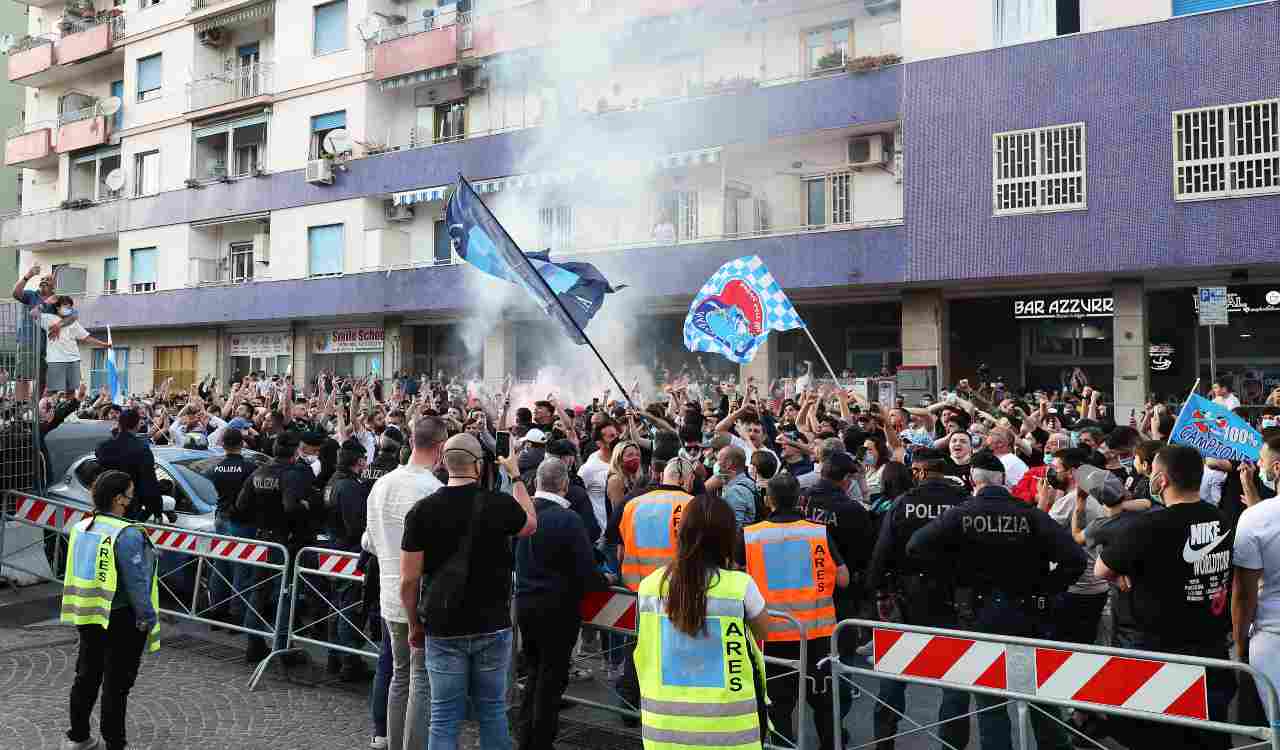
[{"x": 736, "y": 309}]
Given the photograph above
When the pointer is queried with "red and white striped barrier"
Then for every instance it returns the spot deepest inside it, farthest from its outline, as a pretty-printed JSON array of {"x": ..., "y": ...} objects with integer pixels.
[
  {"x": 173, "y": 540},
  {"x": 42, "y": 513},
  {"x": 961, "y": 661},
  {"x": 233, "y": 550},
  {"x": 1136, "y": 684},
  {"x": 344, "y": 565},
  {"x": 609, "y": 609}
]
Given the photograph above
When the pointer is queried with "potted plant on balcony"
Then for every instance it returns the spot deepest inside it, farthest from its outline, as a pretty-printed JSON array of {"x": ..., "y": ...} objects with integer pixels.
[
  {"x": 872, "y": 62},
  {"x": 830, "y": 61}
]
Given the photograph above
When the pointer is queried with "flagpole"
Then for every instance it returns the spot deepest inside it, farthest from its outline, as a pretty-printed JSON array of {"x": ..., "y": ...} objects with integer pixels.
[
  {"x": 820, "y": 354},
  {"x": 551, "y": 293}
]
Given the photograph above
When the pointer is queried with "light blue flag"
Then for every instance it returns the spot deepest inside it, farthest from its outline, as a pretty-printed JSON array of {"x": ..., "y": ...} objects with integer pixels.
[
  {"x": 735, "y": 310},
  {"x": 113, "y": 377},
  {"x": 1213, "y": 430}
]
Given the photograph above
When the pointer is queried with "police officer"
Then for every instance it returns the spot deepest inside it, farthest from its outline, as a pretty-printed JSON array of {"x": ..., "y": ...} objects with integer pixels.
[
  {"x": 1014, "y": 558},
  {"x": 228, "y": 476},
  {"x": 387, "y": 457},
  {"x": 275, "y": 496},
  {"x": 828, "y": 503},
  {"x": 806, "y": 569},
  {"x": 922, "y": 597},
  {"x": 345, "y": 517}
]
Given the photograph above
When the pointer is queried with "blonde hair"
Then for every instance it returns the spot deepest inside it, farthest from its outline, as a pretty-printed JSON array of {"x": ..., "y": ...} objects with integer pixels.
[{"x": 615, "y": 463}]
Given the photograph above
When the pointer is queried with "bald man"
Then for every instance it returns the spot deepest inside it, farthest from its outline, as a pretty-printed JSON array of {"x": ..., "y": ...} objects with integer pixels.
[{"x": 460, "y": 538}]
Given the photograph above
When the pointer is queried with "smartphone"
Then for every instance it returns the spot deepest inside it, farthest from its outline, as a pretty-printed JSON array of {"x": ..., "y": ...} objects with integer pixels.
[{"x": 502, "y": 442}]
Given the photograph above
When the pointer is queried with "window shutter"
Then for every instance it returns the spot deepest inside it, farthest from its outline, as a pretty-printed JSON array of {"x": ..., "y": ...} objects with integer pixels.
[
  {"x": 149, "y": 73},
  {"x": 331, "y": 27},
  {"x": 144, "y": 266},
  {"x": 325, "y": 249}
]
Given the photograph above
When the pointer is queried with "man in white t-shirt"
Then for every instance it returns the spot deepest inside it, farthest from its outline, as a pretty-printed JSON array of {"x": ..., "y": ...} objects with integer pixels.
[
  {"x": 595, "y": 472},
  {"x": 390, "y": 500},
  {"x": 1255, "y": 612},
  {"x": 1223, "y": 396},
  {"x": 1000, "y": 441},
  {"x": 62, "y": 353}
]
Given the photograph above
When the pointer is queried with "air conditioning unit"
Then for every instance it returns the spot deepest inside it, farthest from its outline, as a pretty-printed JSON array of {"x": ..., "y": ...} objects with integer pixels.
[
  {"x": 398, "y": 213},
  {"x": 212, "y": 37},
  {"x": 320, "y": 172},
  {"x": 262, "y": 248},
  {"x": 868, "y": 151}
]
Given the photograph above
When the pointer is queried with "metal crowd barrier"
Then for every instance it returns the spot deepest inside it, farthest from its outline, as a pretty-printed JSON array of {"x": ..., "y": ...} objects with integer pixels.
[
  {"x": 331, "y": 565},
  {"x": 1142, "y": 685},
  {"x": 614, "y": 611},
  {"x": 196, "y": 551}
]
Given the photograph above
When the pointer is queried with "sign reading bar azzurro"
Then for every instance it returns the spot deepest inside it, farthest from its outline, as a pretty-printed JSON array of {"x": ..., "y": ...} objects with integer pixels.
[
  {"x": 1214, "y": 431},
  {"x": 1065, "y": 306}
]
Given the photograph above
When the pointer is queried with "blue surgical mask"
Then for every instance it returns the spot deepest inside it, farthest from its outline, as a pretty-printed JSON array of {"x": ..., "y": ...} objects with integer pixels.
[
  {"x": 1127, "y": 462},
  {"x": 1267, "y": 478},
  {"x": 869, "y": 459}
]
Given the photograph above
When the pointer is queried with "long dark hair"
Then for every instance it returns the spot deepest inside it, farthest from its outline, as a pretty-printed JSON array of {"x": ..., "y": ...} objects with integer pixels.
[
  {"x": 704, "y": 544},
  {"x": 108, "y": 485}
]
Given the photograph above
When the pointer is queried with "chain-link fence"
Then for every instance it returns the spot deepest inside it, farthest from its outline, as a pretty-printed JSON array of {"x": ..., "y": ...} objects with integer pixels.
[{"x": 19, "y": 378}]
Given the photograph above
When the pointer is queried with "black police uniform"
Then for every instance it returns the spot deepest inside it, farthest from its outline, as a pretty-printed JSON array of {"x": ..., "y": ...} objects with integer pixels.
[
  {"x": 384, "y": 462},
  {"x": 923, "y": 599},
  {"x": 228, "y": 476},
  {"x": 275, "y": 496},
  {"x": 346, "y": 515},
  {"x": 1004, "y": 551},
  {"x": 849, "y": 528}
]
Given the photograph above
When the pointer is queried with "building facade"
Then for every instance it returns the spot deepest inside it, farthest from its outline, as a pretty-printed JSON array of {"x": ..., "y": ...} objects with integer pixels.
[{"x": 1031, "y": 185}]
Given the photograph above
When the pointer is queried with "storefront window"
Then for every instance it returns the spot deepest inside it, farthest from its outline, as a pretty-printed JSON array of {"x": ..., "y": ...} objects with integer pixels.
[{"x": 354, "y": 352}]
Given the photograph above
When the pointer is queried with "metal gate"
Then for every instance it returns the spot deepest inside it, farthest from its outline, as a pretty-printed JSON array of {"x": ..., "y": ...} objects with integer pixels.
[{"x": 20, "y": 460}]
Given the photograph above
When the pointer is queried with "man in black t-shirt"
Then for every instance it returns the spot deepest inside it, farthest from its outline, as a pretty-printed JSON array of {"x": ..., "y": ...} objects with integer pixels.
[
  {"x": 457, "y": 544},
  {"x": 1177, "y": 562}
]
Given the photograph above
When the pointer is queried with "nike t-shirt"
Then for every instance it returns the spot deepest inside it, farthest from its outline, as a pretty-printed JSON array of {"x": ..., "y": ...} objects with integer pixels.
[{"x": 1179, "y": 563}]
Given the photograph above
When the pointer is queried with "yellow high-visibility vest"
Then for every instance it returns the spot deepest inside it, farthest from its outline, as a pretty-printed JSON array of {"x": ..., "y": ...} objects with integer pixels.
[
  {"x": 699, "y": 692},
  {"x": 89, "y": 582}
]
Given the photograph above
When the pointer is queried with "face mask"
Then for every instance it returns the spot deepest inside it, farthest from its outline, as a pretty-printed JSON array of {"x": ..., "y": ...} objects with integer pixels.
[
  {"x": 1268, "y": 423},
  {"x": 869, "y": 459},
  {"x": 1127, "y": 463},
  {"x": 64, "y": 311},
  {"x": 631, "y": 465},
  {"x": 1158, "y": 493},
  {"x": 1267, "y": 477}
]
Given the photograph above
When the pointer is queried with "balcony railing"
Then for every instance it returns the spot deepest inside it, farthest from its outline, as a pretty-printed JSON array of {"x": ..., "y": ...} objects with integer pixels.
[
  {"x": 244, "y": 82},
  {"x": 76, "y": 115},
  {"x": 418, "y": 26},
  {"x": 70, "y": 25},
  {"x": 23, "y": 128}
]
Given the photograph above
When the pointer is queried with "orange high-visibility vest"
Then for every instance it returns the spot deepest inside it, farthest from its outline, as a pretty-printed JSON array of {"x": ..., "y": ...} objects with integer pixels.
[
  {"x": 649, "y": 525},
  {"x": 791, "y": 563}
]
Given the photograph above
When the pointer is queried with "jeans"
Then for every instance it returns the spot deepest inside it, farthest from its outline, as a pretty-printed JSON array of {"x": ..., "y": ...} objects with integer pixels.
[
  {"x": 954, "y": 732},
  {"x": 108, "y": 660},
  {"x": 231, "y": 578},
  {"x": 469, "y": 668},
  {"x": 381, "y": 679},
  {"x": 548, "y": 634},
  {"x": 409, "y": 693}
]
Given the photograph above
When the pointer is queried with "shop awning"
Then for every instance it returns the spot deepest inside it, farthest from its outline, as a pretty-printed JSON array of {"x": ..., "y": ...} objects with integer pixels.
[
  {"x": 237, "y": 17},
  {"x": 421, "y": 76},
  {"x": 700, "y": 157}
]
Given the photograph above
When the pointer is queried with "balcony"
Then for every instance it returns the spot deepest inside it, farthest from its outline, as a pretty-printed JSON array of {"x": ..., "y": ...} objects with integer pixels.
[
  {"x": 240, "y": 86},
  {"x": 85, "y": 46},
  {"x": 521, "y": 27},
  {"x": 31, "y": 145},
  {"x": 82, "y": 128},
  {"x": 60, "y": 227},
  {"x": 427, "y": 44}
]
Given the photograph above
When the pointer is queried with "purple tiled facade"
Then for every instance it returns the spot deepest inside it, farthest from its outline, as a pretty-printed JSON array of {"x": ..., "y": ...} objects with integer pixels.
[{"x": 1124, "y": 84}]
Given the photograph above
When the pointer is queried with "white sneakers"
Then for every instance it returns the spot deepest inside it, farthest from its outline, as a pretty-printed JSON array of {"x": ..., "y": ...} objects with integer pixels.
[{"x": 88, "y": 744}]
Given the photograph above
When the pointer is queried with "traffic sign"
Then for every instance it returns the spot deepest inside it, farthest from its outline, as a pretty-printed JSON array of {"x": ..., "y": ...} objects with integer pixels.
[{"x": 1213, "y": 305}]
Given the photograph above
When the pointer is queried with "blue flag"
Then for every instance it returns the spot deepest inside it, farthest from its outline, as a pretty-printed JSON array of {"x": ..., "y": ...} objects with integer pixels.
[
  {"x": 571, "y": 293},
  {"x": 735, "y": 310},
  {"x": 1214, "y": 431},
  {"x": 113, "y": 376}
]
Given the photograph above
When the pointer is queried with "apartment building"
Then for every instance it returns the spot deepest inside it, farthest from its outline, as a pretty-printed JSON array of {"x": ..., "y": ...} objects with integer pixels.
[{"x": 243, "y": 185}]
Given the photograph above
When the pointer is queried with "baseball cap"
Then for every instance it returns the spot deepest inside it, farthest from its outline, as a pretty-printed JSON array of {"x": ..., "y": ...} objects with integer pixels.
[
  {"x": 986, "y": 460},
  {"x": 1101, "y": 485},
  {"x": 535, "y": 437}
]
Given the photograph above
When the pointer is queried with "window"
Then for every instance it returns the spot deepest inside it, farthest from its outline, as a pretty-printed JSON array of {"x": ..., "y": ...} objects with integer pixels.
[
  {"x": 320, "y": 127},
  {"x": 144, "y": 4},
  {"x": 98, "y": 369},
  {"x": 451, "y": 121},
  {"x": 443, "y": 247},
  {"x": 1027, "y": 20},
  {"x": 150, "y": 77},
  {"x": 1041, "y": 169},
  {"x": 324, "y": 250},
  {"x": 829, "y": 199},
  {"x": 117, "y": 90},
  {"x": 681, "y": 207},
  {"x": 146, "y": 173},
  {"x": 555, "y": 225},
  {"x": 330, "y": 33},
  {"x": 89, "y": 175},
  {"x": 229, "y": 149},
  {"x": 177, "y": 362},
  {"x": 143, "y": 272},
  {"x": 1228, "y": 151},
  {"x": 110, "y": 275},
  {"x": 828, "y": 48},
  {"x": 1183, "y": 7},
  {"x": 241, "y": 261}
]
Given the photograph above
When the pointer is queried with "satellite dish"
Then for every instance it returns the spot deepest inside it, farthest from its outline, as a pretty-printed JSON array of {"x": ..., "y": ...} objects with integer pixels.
[
  {"x": 7, "y": 41},
  {"x": 337, "y": 141},
  {"x": 370, "y": 27},
  {"x": 109, "y": 106},
  {"x": 114, "y": 180}
]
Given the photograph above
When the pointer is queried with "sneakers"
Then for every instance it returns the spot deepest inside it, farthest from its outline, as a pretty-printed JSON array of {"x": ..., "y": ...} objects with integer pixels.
[
  {"x": 378, "y": 743},
  {"x": 89, "y": 744}
]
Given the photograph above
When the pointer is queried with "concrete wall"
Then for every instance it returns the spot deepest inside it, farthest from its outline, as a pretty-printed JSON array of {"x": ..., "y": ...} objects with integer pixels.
[
  {"x": 289, "y": 256},
  {"x": 290, "y": 134},
  {"x": 142, "y": 375},
  {"x": 296, "y": 63}
]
